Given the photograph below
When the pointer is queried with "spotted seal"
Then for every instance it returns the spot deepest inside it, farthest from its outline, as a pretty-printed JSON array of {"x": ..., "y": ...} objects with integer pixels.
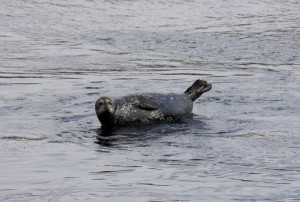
[{"x": 148, "y": 107}]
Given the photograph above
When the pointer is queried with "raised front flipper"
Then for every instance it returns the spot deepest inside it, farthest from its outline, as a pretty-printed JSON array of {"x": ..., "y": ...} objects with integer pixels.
[{"x": 146, "y": 103}]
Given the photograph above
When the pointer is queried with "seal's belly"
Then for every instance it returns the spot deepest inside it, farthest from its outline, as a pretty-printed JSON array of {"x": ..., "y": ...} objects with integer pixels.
[{"x": 155, "y": 108}]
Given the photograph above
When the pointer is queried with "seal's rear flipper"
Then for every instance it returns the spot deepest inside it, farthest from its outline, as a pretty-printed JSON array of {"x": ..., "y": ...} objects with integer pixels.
[{"x": 197, "y": 89}]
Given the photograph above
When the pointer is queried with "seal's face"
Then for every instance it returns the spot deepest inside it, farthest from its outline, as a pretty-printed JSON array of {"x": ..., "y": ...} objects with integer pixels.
[{"x": 105, "y": 105}]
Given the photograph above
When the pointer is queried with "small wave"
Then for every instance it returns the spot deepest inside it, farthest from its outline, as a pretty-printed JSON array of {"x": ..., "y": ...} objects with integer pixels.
[{"x": 32, "y": 137}]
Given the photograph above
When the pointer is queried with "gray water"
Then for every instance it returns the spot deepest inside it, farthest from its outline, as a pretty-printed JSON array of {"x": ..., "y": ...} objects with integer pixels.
[{"x": 242, "y": 142}]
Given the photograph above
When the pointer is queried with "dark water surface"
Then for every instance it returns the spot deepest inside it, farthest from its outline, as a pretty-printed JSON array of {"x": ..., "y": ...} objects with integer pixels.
[{"x": 58, "y": 57}]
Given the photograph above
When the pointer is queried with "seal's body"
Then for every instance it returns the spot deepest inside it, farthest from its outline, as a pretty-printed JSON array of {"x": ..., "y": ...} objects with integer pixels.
[
  {"x": 148, "y": 107},
  {"x": 152, "y": 107}
]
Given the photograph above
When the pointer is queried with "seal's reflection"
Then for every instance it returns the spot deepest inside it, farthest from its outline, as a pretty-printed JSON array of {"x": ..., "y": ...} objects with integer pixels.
[
  {"x": 134, "y": 134},
  {"x": 103, "y": 136}
]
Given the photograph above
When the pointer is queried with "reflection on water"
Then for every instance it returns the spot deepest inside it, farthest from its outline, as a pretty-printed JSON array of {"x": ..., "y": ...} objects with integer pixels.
[{"x": 57, "y": 58}]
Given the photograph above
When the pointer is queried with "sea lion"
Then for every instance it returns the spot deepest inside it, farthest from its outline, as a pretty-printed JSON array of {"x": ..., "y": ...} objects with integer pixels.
[{"x": 148, "y": 107}]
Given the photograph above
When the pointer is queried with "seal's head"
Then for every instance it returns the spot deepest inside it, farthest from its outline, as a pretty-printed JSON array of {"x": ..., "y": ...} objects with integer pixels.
[{"x": 105, "y": 108}]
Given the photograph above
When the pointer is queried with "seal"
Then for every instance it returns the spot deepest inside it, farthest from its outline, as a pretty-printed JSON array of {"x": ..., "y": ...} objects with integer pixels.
[{"x": 148, "y": 107}]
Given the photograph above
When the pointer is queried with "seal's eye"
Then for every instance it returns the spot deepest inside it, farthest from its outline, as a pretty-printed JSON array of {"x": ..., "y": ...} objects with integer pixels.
[
  {"x": 100, "y": 102},
  {"x": 109, "y": 103}
]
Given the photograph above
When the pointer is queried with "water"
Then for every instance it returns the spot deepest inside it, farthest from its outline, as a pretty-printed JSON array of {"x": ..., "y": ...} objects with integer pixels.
[{"x": 58, "y": 57}]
